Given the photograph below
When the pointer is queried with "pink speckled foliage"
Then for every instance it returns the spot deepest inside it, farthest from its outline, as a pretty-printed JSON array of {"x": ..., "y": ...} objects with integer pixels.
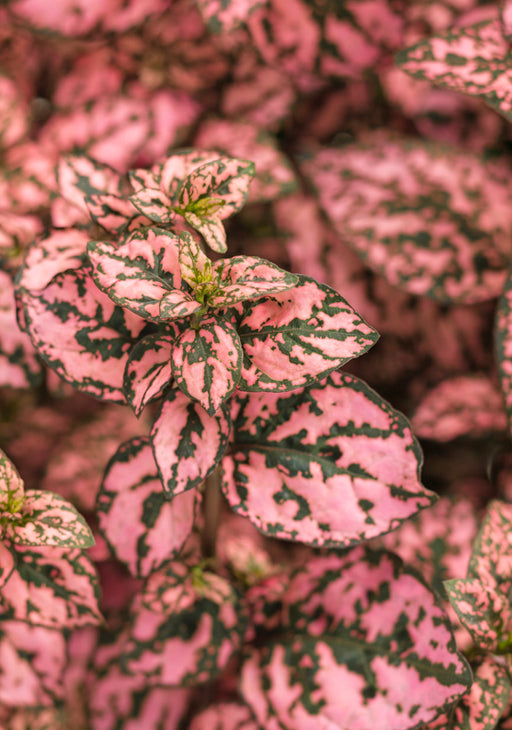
[
  {"x": 503, "y": 345},
  {"x": 400, "y": 671},
  {"x": 329, "y": 465},
  {"x": 432, "y": 220}
]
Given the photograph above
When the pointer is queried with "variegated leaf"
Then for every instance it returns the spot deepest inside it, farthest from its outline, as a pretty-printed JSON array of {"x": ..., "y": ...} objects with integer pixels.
[
  {"x": 187, "y": 624},
  {"x": 224, "y": 716},
  {"x": 432, "y": 220},
  {"x": 370, "y": 649},
  {"x": 296, "y": 337},
  {"x": 114, "y": 213},
  {"x": 59, "y": 252},
  {"x": 474, "y": 60},
  {"x": 81, "y": 334},
  {"x": 329, "y": 465},
  {"x": 464, "y": 405},
  {"x": 206, "y": 362},
  {"x": 32, "y": 662},
  {"x": 142, "y": 528},
  {"x": 503, "y": 345},
  {"x": 7, "y": 564},
  {"x": 195, "y": 266},
  {"x": 211, "y": 229},
  {"x": 49, "y": 519},
  {"x": 12, "y": 488},
  {"x": 223, "y": 17},
  {"x": 216, "y": 188},
  {"x": 148, "y": 369},
  {"x": 248, "y": 277},
  {"x": 187, "y": 442},
  {"x": 78, "y": 178},
  {"x": 484, "y": 611},
  {"x": 492, "y": 551},
  {"x": 57, "y": 588}
]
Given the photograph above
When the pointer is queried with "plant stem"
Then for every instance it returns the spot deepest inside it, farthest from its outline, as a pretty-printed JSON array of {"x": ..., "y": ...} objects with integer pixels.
[{"x": 212, "y": 504}]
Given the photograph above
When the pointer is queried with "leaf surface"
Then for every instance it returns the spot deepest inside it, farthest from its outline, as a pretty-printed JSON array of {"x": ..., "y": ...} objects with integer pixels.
[
  {"x": 187, "y": 442},
  {"x": 148, "y": 369},
  {"x": 329, "y": 465},
  {"x": 363, "y": 623},
  {"x": 142, "y": 527},
  {"x": 206, "y": 362}
]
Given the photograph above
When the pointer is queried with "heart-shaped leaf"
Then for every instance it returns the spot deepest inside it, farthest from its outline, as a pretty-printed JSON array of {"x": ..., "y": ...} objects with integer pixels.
[
  {"x": 187, "y": 442},
  {"x": 329, "y": 465},
  {"x": 142, "y": 527}
]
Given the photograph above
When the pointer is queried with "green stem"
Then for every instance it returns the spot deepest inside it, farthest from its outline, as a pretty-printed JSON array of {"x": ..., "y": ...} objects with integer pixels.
[{"x": 212, "y": 505}]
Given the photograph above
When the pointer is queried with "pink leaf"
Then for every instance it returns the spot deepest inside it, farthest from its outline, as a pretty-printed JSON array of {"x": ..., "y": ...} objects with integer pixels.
[
  {"x": 474, "y": 60},
  {"x": 206, "y": 362},
  {"x": 224, "y": 716},
  {"x": 141, "y": 526},
  {"x": 49, "y": 519},
  {"x": 186, "y": 626},
  {"x": 81, "y": 335},
  {"x": 187, "y": 442},
  {"x": 56, "y": 588},
  {"x": 217, "y": 187},
  {"x": 465, "y": 405},
  {"x": 19, "y": 366},
  {"x": 224, "y": 17},
  {"x": 503, "y": 345},
  {"x": 379, "y": 193},
  {"x": 12, "y": 488},
  {"x": 371, "y": 648},
  {"x": 298, "y": 336},
  {"x": 248, "y": 277},
  {"x": 330, "y": 465},
  {"x": 148, "y": 370},
  {"x": 47, "y": 257}
]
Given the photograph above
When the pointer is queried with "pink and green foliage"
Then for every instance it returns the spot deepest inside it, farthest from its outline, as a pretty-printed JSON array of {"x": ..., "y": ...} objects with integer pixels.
[
  {"x": 482, "y": 599},
  {"x": 404, "y": 205},
  {"x": 330, "y": 465},
  {"x": 474, "y": 59},
  {"x": 142, "y": 528},
  {"x": 186, "y": 625},
  {"x": 224, "y": 716},
  {"x": 503, "y": 344},
  {"x": 223, "y": 17},
  {"x": 35, "y": 517},
  {"x": 465, "y": 405},
  {"x": 352, "y": 661}
]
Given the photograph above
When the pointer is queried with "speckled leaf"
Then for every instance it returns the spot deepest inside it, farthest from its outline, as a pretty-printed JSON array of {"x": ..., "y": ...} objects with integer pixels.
[
  {"x": 195, "y": 266},
  {"x": 6, "y": 564},
  {"x": 59, "y": 252},
  {"x": 464, "y": 405},
  {"x": 492, "y": 551},
  {"x": 484, "y": 611},
  {"x": 223, "y": 17},
  {"x": 206, "y": 362},
  {"x": 186, "y": 626},
  {"x": 432, "y": 220},
  {"x": 32, "y": 662},
  {"x": 329, "y": 465},
  {"x": 298, "y": 336},
  {"x": 12, "y": 488},
  {"x": 187, "y": 442},
  {"x": 148, "y": 370},
  {"x": 81, "y": 335},
  {"x": 114, "y": 213},
  {"x": 217, "y": 188},
  {"x": 484, "y": 704},
  {"x": 474, "y": 60},
  {"x": 49, "y": 519},
  {"x": 142, "y": 528},
  {"x": 248, "y": 277},
  {"x": 56, "y": 588},
  {"x": 211, "y": 229},
  {"x": 370, "y": 648},
  {"x": 78, "y": 178},
  {"x": 503, "y": 345}
]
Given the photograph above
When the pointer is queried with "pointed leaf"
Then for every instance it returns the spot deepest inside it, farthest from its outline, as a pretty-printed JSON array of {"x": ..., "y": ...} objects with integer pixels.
[
  {"x": 187, "y": 442},
  {"x": 55, "y": 588},
  {"x": 49, "y": 519},
  {"x": 211, "y": 229},
  {"x": 249, "y": 277},
  {"x": 371, "y": 648},
  {"x": 484, "y": 611},
  {"x": 148, "y": 370},
  {"x": 474, "y": 60},
  {"x": 329, "y": 465},
  {"x": 206, "y": 362},
  {"x": 299, "y": 336},
  {"x": 219, "y": 187},
  {"x": 81, "y": 335},
  {"x": 142, "y": 528},
  {"x": 139, "y": 273},
  {"x": 12, "y": 488},
  {"x": 195, "y": 266},
  {"x": 433, "y": 220},
  {"x": 186, "y": 627}
]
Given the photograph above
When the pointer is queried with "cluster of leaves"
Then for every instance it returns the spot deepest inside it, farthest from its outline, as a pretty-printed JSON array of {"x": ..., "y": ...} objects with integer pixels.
[{"x": 165, "y": 166}]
